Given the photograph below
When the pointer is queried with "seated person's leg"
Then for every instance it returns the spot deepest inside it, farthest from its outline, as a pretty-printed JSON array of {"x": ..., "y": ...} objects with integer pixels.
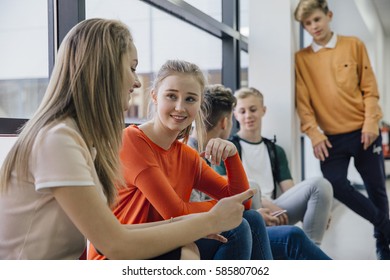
[
  {"x": 261, "y": 249},
  {"x": 291, "y": 243},
  {"x": 310, "y": 202},
  {"x": 238, "y": 246}
]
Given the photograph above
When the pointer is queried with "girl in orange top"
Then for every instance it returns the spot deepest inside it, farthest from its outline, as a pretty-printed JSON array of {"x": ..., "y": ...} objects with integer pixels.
[
  {"x": 58, "y": 179},
  {"x": 161, "y": 170}
]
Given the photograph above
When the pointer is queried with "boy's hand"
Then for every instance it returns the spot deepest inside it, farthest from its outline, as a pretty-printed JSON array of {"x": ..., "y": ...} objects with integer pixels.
[
  {"x": 268, "y": 218},
  {"x": 218, "y": 149},
  {"x": 367, "y": 139},
  {"x": 321, "y": 149}
]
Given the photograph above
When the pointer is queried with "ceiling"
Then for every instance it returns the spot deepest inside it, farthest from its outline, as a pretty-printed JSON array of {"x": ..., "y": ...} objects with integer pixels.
[{"x": 383, "y": 9}]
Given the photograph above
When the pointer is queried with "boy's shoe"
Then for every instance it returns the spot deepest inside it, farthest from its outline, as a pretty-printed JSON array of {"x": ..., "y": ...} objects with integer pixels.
[{"x": 382, "y": 249}]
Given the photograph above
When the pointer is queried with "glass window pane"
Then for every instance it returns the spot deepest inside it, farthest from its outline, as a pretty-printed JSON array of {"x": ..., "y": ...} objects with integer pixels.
[
  {"x": 23, "y": 56},
  {"x": 244, "y": 68},
  {"x": 158, "y": 37},
  {"x": 212, "y": 8},
  {"x": 244, "y": 17}
]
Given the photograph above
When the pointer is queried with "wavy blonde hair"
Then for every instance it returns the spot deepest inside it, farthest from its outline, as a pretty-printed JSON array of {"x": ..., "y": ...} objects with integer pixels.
[
  {"x": 171, "y": 67},
  {"x": 85, "y": 85}
]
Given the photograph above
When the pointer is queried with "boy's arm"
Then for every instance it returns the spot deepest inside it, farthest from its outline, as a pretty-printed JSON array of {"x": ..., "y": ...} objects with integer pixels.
[
  {"x": 369, "y": 88},
  {"x": 283, "y": 175},
  {"x": 305, "y": 110},
  {"x": 286, "y": 184}
]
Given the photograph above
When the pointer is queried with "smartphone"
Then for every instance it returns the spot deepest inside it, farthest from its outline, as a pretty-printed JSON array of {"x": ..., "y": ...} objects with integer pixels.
[
  {"x": 278, "y": 213},
  {"x": 246, "y": 200}
]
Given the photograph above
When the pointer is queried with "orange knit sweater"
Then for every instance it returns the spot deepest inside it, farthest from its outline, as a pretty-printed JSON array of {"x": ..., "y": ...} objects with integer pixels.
[{"x": 336, "y": 90}]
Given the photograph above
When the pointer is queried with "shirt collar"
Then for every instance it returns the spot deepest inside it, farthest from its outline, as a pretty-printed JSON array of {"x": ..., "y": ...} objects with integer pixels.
[{"x": 330, "y": 45}]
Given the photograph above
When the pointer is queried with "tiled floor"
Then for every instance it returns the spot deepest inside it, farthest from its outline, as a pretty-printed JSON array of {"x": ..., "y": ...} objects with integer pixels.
[{"x": 349, "y": 236}]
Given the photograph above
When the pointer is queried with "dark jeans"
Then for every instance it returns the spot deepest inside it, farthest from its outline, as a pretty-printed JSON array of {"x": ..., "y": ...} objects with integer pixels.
[{"x": 370, "y": 165}]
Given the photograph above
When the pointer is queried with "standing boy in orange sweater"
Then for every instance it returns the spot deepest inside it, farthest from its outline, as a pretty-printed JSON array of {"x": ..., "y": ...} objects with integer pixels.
[{"x": 337, "y": 102}]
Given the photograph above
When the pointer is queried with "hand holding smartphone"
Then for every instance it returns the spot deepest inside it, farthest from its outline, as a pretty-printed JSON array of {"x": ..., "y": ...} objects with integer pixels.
[{"x": 278, "y": 213}]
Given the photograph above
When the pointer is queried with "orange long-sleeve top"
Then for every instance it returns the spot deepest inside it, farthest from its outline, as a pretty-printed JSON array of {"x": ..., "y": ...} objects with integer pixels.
[
  {"x": 159, "y": 182},
  {"x": 336, "y": 90}
]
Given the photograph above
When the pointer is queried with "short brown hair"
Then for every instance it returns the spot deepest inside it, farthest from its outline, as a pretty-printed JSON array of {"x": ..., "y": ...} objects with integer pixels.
[{"x": 218, "y": 102}]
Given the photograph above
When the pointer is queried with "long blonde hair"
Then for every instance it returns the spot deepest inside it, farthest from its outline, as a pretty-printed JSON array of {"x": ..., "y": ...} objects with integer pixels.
[
  {"x": 171, "y": 67},
  {"x": 86, "y": 85}
]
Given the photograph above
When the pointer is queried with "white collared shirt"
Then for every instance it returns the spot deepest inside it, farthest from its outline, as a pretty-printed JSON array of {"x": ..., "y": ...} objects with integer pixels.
[{"x": 330, "y": 45}]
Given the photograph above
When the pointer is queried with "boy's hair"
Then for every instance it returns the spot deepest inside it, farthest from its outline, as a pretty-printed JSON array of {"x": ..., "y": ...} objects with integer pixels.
[
  {"x": 172, "y": 67},
  {"x": 306, "y": 7},
  {"x": 85, "y": 85},
  {"x": 219, "y": 101},
  {"x": 251, "y": 91}
]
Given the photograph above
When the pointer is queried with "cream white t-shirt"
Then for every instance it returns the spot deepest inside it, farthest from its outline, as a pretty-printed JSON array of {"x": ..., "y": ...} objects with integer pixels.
[
  {"x": 257, "y": 165},
  {"x": 32, "y": 223}
]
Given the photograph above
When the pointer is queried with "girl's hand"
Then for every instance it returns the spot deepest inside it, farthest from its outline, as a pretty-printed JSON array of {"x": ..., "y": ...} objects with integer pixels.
[
  {"x": 217, "y": 237},
  {"x": 227, "y": 213},
  {"x": 218, "y": 150}
]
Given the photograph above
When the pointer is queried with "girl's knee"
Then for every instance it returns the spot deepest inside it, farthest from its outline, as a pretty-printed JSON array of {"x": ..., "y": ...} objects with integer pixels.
[
  {"x": 254, "y": 218},
  {"x": 295, "y": 231}
]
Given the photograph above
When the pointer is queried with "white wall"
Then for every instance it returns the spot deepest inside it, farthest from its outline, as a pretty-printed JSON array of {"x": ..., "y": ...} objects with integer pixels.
[{"x": 272, "y": 43}]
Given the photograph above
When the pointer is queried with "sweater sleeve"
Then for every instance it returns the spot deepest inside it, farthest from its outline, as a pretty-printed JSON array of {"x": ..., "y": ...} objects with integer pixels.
[
  {"x": 235, "y": 183},
  {"x": 164, "y": 198},
  {"x": 369, "y": 89},
  {"x": 309, "y": 124}
]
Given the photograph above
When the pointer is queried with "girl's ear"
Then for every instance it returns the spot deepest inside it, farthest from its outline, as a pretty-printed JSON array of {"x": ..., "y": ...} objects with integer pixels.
[{"x": 153, "y": 94}]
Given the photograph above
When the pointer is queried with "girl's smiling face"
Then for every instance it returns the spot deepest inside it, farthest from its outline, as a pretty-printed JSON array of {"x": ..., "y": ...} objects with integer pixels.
[{"x": 178, "y": 100}]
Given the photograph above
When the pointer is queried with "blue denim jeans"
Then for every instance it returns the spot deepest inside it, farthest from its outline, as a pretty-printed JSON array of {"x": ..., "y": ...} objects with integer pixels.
[
  {"x": 253, "y": 240},
  {"x": 291, "y": 243},
  {"x": 238, "y": 246},
  {"x": 247, "y": 241}
]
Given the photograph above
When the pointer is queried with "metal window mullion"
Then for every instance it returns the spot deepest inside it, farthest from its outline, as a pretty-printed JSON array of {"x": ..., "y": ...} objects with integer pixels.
[
  {"x": 62, "y": 16},
  {"x": 231, "y": 46}
]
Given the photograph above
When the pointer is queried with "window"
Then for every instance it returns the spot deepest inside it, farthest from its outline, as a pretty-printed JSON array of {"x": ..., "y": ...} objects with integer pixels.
[
  {"x": 212, "y": 8},
  {"x": 190, "y": 30},
  {"x": 23, "y": 56},
  {"x": 244, "y": 68},
  {"x": 158, "y": 37}
]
